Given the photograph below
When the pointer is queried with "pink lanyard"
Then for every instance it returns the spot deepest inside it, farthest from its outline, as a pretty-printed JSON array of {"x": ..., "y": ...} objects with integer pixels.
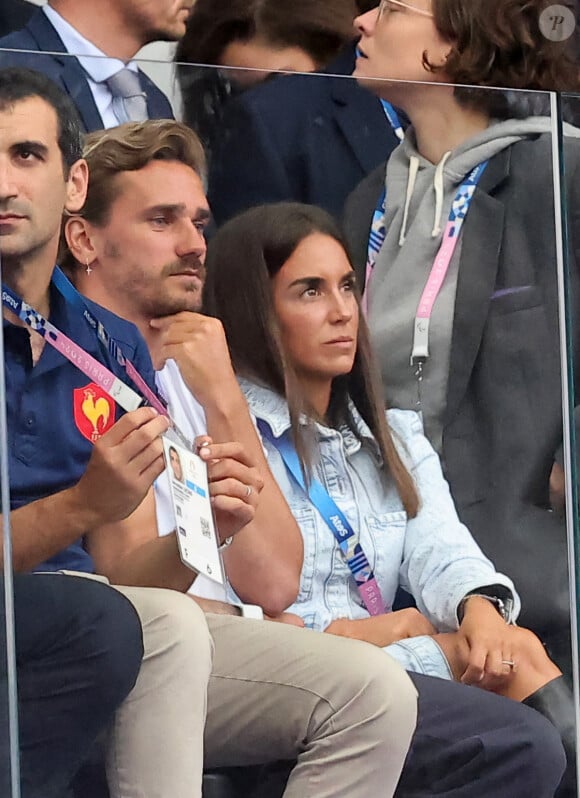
[
  {"x": 443, "y": 258},
  {"x": 125, "y": 396}
]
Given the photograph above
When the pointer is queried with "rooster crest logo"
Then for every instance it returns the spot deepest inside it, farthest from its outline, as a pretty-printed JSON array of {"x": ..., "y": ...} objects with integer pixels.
[{"x": 94, "y": 411}]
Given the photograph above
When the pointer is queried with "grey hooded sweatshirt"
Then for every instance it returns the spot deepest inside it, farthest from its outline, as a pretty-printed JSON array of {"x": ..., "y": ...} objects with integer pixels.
[{"x": 419, "y": 197}]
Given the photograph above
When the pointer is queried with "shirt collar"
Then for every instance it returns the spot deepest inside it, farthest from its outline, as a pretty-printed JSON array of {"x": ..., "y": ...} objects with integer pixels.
[
  {"x": 71, "y": 322},
  {"x": 272, "y": 408},
  {"x": 67, "y": 320},
  {"x": 98, "y": 66}
]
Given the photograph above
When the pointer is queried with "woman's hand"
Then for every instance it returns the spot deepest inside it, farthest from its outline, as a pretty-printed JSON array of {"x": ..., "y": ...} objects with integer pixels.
[
  {"x": 382, "y": 630},
  {"x": 234, "y": 484},
  {"x": 490, "y": 644}
]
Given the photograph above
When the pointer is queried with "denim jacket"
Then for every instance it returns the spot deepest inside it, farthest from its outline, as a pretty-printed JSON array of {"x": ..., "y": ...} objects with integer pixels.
[{"x": 432, "y": 556}]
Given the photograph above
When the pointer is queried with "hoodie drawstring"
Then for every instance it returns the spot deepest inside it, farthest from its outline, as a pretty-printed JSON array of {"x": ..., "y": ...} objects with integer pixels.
[
  {"x": 438, "y": 187},
  {"x": 412, "y": 176},
  {"x": 439, "y": 195}
]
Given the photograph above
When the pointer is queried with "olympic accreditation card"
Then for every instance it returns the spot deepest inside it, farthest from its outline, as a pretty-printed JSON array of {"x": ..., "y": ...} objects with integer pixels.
[{"x": 194, "y": 524}]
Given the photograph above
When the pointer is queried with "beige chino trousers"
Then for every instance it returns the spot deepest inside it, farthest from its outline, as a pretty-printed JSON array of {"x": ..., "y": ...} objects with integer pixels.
[{"x": 342, "y": 708}]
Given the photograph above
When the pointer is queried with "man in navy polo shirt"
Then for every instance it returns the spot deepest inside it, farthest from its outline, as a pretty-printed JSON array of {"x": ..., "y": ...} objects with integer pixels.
[
  {"x": 83, "y": 493},
  {"x": 156, "y": 744}
]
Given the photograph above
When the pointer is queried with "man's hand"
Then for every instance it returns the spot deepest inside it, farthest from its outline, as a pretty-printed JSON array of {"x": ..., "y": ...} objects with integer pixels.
[
  {"x": 234, "y": 484},
  {"x": 490, "y": 642},
  {"x": 382, "y": 630},
  {"x": 123, "y": 465},
  {"x": 198, "y": 345}
]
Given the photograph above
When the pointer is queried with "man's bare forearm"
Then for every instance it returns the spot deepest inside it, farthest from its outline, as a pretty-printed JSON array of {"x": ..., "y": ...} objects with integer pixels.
[
  {"x": 265, "y": 560},
  {"x": 45, "y": 527},
  {"x": 155, "y": 563},
  {"x": 213, "y": 607}
]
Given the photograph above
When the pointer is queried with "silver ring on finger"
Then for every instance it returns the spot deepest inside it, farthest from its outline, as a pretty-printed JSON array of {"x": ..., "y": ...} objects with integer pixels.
[
  {"x": 509, "y": 662},
  {"x": 249, "y": 491}
]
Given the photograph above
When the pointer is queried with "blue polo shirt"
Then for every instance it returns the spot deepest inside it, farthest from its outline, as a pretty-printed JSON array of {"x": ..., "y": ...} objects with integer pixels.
[{"x": 55, "y": 412}]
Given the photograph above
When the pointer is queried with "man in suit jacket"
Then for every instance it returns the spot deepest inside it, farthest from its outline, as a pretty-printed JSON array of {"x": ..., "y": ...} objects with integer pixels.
[
  {"x": 308, "y": 138},
  {"x": 14, "y": 14},
  {"x": 502, "y": 425},
  {"x": 68, "y": 36}
]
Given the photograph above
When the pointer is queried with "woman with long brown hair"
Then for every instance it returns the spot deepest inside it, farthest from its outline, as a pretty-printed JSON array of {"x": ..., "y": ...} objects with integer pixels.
[{"x": 367, "y": 491}]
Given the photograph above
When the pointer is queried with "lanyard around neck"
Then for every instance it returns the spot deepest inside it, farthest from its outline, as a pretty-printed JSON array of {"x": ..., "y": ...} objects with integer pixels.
[
  {"x": 111, "y": 347},
  {"x": 108, "y": 344},
  {"x": 125, "y": 396},
  {"x": 337, "y": 522},
  {"x": 457, "y": 215},
  {"x": 393, "y": 119}
]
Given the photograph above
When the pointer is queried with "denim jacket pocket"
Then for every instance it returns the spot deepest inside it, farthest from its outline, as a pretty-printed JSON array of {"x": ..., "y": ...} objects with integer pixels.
[
  {"x": 306, "y": 520},
  {"x": 384, "y": 545}
]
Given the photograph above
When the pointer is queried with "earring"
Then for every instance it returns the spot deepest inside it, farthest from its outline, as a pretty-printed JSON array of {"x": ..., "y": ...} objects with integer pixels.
[{"x": 88, "y": 268}]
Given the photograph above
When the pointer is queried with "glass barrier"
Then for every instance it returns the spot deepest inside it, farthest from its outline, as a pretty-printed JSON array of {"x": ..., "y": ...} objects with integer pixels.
[
  {"x": 9, "y": 753},
  {"x": 479, "y": 356},
  {"x": 566, "y": 185}
]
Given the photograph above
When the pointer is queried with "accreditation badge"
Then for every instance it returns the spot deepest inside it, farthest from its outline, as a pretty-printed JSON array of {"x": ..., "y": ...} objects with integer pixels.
[{"x": 194, "y": 524}]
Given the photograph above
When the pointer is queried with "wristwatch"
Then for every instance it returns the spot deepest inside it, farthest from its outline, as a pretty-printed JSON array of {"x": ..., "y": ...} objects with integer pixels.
[{"x": 505, "y": 606}]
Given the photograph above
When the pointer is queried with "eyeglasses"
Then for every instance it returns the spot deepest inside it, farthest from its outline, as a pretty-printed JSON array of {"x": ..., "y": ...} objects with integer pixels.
[{"x": 386, "y": 7}]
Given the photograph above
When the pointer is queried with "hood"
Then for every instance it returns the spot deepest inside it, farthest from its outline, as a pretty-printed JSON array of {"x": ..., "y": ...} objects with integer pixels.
[{"x": 410, "y": 176}]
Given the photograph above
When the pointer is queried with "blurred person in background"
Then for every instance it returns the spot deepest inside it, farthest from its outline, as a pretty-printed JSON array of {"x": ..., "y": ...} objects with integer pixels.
[
  {"x": 14, "y": 14},
  {"x": 253, "y": 39},
  {"x": 309, "y": 138},
  {"x": 88, "y": 49}
]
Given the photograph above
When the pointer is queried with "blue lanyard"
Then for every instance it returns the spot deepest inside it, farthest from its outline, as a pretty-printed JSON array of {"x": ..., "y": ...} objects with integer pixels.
[
  {"x": 339, "y": 525},
  {"x": 393, "y": 119}
]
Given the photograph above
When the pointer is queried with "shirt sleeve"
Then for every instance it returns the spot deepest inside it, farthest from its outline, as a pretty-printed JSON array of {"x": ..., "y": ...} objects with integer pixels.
[{"x": 441, "y": 560}]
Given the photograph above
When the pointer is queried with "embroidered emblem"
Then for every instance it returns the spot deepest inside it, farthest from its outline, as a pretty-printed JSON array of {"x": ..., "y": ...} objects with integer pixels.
[{"x": 94, "y": 411}]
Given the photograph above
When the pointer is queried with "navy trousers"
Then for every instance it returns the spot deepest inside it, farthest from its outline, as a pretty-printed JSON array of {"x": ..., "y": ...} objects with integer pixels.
[
  {"x": 79, "y": 650},
  {"x": 472, "y": 744},
  {"x": 468, "y": 744}
]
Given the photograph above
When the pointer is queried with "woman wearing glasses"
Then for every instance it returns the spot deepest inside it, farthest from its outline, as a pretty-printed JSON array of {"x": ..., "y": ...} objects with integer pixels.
[{"x": 454, "y": 243}]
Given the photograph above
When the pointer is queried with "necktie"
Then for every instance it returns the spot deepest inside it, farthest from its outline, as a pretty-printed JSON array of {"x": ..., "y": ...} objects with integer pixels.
[{"x": 129, "y": 100}]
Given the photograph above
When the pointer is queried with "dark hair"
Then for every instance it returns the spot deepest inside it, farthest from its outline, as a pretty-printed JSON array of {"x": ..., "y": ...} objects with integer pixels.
[
  {"x": 242, "y": 258},
  {"x": 129, "y": 148},
  {"x": 500, "y": 43},
  {"x": 18, "y": 84},
  {"x": 320, "y": 27}
]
